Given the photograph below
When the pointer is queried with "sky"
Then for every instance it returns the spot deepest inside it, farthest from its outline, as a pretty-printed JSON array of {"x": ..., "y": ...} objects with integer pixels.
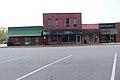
[{"x": 15, "y": 13}]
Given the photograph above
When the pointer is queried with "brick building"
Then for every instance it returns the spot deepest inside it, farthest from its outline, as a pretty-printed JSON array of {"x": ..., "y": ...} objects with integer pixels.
[
  {"x": 28, "y": 35},
  {"x": 61, "y": 28},
  {"x": 117, "y": 26},
  {"x": 108, "y": 32}
]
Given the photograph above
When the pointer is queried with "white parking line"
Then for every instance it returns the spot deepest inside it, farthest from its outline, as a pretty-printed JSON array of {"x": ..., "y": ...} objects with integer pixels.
[
  {"x": 43, "y": 67},
  {"x": 13, "y": 59},
  {"x": 114, "y": 67}
]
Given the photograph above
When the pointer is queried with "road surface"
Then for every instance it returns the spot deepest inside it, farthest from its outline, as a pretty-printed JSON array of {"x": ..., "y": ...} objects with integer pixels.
[{"x": 60, "y": 63}]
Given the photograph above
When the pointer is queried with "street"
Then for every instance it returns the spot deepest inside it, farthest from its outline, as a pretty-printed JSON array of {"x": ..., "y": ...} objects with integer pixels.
[{"x": 60, "y": 63}]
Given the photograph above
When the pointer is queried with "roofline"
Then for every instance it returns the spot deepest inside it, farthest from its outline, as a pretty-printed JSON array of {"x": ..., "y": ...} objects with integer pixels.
[
  {"x": 106, "y": 23},
  {"x": 117, "y": 22},
  {"x": 25, "y": 26},
  {"x": 91, "y": 24},
  {"x": 64, "y": 13}
]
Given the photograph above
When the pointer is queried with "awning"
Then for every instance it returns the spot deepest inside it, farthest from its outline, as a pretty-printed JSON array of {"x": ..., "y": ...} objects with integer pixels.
[{"x": 25, "y": 31}]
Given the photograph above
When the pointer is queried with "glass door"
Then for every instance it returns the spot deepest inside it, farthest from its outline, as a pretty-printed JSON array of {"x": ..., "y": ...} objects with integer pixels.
[
  {"x": 78, "y": 39},
  {"x": 112, "y": 38}
]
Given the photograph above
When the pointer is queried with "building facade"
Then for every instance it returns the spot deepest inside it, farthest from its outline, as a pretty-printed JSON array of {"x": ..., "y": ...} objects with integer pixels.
[
  {"x": 62, "y": 28},
  {"x": 24, "y": 36},
  {"x": 108, "y": 32},
  {"x": 90, "y": 34}
]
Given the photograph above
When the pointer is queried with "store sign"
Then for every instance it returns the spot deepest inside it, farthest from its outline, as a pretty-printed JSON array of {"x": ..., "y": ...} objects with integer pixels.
[
  {"x": 108, "y": 31},
  {"x": 91, "y": 31},
  {"x": 68, "y": 32},
  {"x": 60, "y": 32},
  {"x": 107, "y": 25}
]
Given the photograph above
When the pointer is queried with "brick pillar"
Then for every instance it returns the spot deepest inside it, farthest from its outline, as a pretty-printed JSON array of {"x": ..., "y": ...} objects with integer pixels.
[
  {"x": 98, "y": 38},
  {"x": 82, "y": 39},
  {"x": 117, "y": 26},
  {"x": 58, "y": 40}
]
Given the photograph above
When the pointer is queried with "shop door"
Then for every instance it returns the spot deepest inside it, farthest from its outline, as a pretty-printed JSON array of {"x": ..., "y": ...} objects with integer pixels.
[
  {"x": 78, "y": 39},
  {"x": 37, "y": 41},
  {"x": 112, "y": 38}
]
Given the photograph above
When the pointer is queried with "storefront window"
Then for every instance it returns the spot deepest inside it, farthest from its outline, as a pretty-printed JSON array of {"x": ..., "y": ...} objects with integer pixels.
[
  {"x": 95, "y": 38},
  {"x": 16, "y": 40},
  {"x": 112, "y": 38},
  {"x": 64, "y": 38},
  {"x": 27, "y": 40},
  {"x": 53, "y": 38},
  {"x": 90, "y": 38},
  {"x": 72, "y": 38},
  {"x": 37, "y": 40},
  {"x": 105, "y": 38},
  {"x": 86, "y": 39}
]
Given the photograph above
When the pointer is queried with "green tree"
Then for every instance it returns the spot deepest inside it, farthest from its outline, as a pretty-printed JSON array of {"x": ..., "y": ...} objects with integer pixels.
[{"x": 3, "y": 34}]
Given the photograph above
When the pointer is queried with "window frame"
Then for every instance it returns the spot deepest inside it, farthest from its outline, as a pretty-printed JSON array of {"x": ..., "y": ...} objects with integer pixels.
[
  {"x": 49, "y": 23},
  {"x": 67, "y": 22},
  {"x": 75, "y": 22},
  {"x": 56, "y": 23}
]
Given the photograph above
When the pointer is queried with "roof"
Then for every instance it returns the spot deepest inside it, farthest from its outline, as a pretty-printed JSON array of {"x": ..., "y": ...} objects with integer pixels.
[
  {"x": 60, "y": 13},
  {"x": 25, "y": 31},
  {"x": 90, "y": 26}
]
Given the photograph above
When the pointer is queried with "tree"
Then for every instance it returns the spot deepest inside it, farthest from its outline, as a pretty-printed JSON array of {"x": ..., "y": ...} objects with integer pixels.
[{"x": 3, "y": 34}]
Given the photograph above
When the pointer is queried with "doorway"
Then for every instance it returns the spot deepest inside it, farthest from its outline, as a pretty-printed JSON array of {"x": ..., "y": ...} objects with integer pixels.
[
  {"x": 112, "y": 38},
  {"x": 78, "y": 39}
]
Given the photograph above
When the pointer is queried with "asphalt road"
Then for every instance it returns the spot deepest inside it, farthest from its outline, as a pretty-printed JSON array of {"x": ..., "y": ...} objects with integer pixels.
[{"x": 59, "y": 63}]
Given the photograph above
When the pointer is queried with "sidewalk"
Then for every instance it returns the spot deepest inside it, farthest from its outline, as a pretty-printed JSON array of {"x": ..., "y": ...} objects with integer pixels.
[
  {"x": 63, "y": 45},
  {"x": 3, "y": 45},
  {"x": 110, "y": 43}
]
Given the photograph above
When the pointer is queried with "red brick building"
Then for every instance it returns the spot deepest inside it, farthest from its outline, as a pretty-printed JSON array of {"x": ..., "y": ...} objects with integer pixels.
[
  {"x": 62, "y": 28},
  {"x": 117, "y": 26}
]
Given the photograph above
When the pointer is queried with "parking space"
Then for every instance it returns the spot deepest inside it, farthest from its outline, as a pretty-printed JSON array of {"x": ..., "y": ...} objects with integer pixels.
[{"x": 59, "y": 63}]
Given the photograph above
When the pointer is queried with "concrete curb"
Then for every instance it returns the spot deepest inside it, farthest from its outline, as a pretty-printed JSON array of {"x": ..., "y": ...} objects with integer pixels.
[{"x": 63, "y": 45}]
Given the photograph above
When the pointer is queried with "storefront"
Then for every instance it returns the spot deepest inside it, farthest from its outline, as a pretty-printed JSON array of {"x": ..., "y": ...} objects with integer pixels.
[
  {"x": 24, "y": 36},
  {"x": 108, "y": 33},
  {"x": 62, "y": 36},
  {"x": 91, "y": 36}
]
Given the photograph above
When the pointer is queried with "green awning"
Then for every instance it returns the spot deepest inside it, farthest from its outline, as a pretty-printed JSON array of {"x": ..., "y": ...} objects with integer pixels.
[{"x": 25, "y": 31}]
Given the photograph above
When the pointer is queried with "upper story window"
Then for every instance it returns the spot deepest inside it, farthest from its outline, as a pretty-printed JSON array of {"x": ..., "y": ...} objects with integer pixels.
[
  {"x": 75, "y": 22},
  {"x": 49, "y": 23},
  {"x": 67, "y": 22},
  {"x": 56, "y": 23}
]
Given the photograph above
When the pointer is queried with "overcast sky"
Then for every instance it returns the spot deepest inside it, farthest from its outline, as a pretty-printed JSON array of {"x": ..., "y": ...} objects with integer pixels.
[{"x": 15, "y": 13}]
